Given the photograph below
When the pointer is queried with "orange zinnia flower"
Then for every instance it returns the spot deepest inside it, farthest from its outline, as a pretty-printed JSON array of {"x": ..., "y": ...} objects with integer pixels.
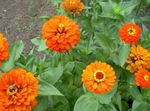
[
  {"x": 61, "y": 33},
  {"x": 130, "y": 33},
  {"x": 98, "y": 77},
  {"x": 73, "y": 6},
  {"x": 18, "y": 90},
  {"x": 139, "y": 58},
  {"x": 4, "y": 49},
  {"x": 142, "y": 78}
]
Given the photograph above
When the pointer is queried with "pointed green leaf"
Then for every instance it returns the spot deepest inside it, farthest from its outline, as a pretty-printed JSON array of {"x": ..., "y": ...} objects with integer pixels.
[
  {"x": 52, "y": 74},
  {"x": 123, "y": 53},
  {"x": 40, "y": 43},
  {"x": 140, "y": 106},
  {"x": 46, "y": 89},
  {"x": 86, "y": 103}
]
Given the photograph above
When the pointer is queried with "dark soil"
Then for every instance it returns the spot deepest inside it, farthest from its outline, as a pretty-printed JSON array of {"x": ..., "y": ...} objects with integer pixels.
[{"x": 19, "y": 19}]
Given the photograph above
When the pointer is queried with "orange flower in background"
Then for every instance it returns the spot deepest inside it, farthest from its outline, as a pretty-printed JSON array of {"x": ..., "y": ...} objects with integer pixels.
[
  {"x": 4, "y": 49},
  {"x": 73, "y": 6},
  {"x": 18, "y": 90},
  {"x": 98, "y": 77},
  {"x": 130, "y": 33},
  {"x": 60, "y": 33},
  {"x": 142, "y": 78},
  {"x": 139, "y": 58}
]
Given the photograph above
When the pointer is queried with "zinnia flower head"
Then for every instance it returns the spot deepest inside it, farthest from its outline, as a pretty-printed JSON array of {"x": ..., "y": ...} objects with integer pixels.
[
  {"x": 98, "y": 77},
  {"x": 142, "y": 78},
  {"x": 60, "y": 33},
  {"x": 4, "y": 48},
  {"x": 139, "y": 58},
  {"x": 73, "y": 6},
  {"x": 18, "y": 90},
  {"x": 130, "y": 33}
]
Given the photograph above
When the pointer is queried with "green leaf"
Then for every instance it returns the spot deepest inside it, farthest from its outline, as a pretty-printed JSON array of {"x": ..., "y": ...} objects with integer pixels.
[
  {"x": 145, "y": 38},
  {"x": 148, "y": 1},
  {"x": 86, "y": 103},
  {"x": 142, "y": 19},
  {"x": 117, "y": 100},
  {"x": 133, "y": 90},
  {"x": 107, "y": 11},
  {"x": 79, "y": 66},
  {"x": 129, "y": 6},
  {"x": 109, "y": 107},
  {"x": 106, "y": 98},
  {"x": 115, "y": 58},
  {"x": 46, "y": 89},
  {"x": 145, "y": 32},
  {"x": 52, "y": 74},
  {"x": 40, "y": 43},
  {"x": 105, "y": 42},
  {"x": 69, "y": 66},
  {"x": 14, "y": 54},
  {"x": 42, "y": 104},
  {"x": 124, "y": 106},
  {"x": 60, "y": 103},
  {"x": 85, "y": 21},
  {"x": 146, "y": 93},
  {"x": 140, "y": 106},
  {"x": 123, "y": 53}
]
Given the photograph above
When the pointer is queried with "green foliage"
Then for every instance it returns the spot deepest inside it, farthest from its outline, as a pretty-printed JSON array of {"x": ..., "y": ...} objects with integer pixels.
[
  {"x": 123, "y": 54},
  {"x": 43, "y": 103},
  {"x": 40, "y": 43},
  {"x": 87, "y": 102},
  {"x": 94, "y": 102},
  {"x": 52, "y": 75},
  {"x": 14, "y": 54},
  {"x": 46, "y": 89},
  {"x": 140, "y": 106}
]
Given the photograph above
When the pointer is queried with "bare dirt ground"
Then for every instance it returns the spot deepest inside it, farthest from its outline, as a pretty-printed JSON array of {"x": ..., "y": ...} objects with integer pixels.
[{"x": 19, "y": 19}]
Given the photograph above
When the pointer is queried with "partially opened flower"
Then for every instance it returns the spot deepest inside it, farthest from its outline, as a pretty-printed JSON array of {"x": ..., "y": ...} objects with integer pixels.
[
  {"x": 142, "y": 78},
  {"x": 4, "y": 48},
  {"x": 60, "y": 33},
  {"x": 99, "y": 77},
  {"x": 18, "y": 90},
  {"x": 73, "y": 6},
  {"x": 130, "y": 33},
  {"x": 139, "y": 58}
]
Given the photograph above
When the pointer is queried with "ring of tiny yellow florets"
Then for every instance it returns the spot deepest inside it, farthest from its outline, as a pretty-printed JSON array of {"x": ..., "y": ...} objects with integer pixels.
[
  {"x": 12, "y": 89},
  {"x": 146, "y": 77},
  {"x": 131, "y": 31},
  {"x": 101, "y": 74}
]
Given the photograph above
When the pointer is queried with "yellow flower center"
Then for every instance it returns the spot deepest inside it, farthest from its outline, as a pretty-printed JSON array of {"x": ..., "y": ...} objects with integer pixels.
[
  {"x": 61, "y": 28},
  {"x": 131, "y": 31},
  {"x": 61, "y": 25},
  {"x": 12, "y": 89},
  {"x": 99, "y": 76},
  {"x": 146, "y": 77},
  {"x": 72, "y": 2}
]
